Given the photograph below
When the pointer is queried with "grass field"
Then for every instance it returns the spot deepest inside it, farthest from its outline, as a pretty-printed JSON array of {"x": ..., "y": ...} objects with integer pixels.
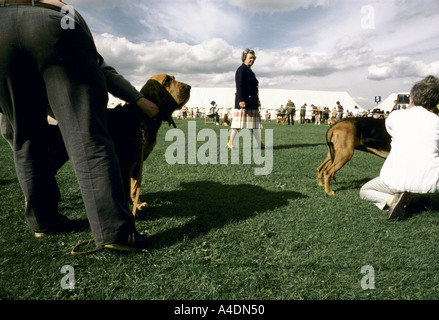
[{"x": 222, "y": 232}]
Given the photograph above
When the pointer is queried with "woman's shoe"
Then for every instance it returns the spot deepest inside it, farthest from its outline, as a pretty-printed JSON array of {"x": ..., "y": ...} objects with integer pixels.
[{"x": 264, "y": 147}]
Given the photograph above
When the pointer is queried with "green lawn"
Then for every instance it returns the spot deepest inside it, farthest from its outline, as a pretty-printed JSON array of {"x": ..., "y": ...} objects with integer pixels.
[{"x": 222, "y": 232}]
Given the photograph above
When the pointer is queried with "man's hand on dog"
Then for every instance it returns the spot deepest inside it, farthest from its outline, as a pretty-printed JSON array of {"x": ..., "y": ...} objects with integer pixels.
[{"x": 148, "y": 107}]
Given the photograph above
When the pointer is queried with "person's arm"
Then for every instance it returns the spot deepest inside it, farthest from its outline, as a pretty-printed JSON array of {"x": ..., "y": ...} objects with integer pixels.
[
  {"x": 123, "y": 89},
  {"x": 240, "y": 87},
  {"x": 118, "y": 85}
]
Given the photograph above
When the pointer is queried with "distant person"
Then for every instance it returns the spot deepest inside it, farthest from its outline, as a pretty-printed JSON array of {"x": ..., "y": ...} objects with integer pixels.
[
  {"x": 267, "y": 115},
  {"x": 411, "y": 169},
  {"x": 340, "y": 110},
  {"x": 317, "y": 113},
  {"x": 334, "y": 114},
  {"x": 302, "y": 113},
  {"x": 214, "y": 112},
  {"x": 281, "y": 111},
  {"x": 184, "y": 112},
  {"x": 395, "y": 105},
  {"x": 290, "y": 111},
  {"x": 325, "y": 114},
  {"x": 246, "y": 114}
]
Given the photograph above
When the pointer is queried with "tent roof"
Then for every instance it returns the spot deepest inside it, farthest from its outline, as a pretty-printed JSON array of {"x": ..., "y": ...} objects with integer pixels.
[
  {"x": 272, "y": 98},
  {"x": 388, "y": 103}
]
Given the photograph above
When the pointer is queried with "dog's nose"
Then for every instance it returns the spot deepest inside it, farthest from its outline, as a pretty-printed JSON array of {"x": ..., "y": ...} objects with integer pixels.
[{"x": 187, "y": 87}]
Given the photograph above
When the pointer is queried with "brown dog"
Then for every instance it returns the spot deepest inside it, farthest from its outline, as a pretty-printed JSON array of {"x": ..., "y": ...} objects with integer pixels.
[
  {"x": 226, "y": 121},
  {"x": 281, "y": 119},
  {"x": 133, "y": 133},
  {"x": 365, "y": 134}
]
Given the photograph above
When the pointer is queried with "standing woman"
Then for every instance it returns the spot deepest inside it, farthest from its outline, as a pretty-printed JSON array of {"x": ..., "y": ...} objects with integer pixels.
[{"x": 246, "y": 114}]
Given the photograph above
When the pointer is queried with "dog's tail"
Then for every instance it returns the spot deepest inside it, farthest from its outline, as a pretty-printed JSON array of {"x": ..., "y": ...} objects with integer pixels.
[
  {"x": 331, "y": 148},
  {"x": 329, "y": 142}
]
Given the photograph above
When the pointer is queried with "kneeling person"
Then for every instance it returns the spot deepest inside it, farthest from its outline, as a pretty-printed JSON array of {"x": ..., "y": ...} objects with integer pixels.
[{"x": 412, "y": 168}]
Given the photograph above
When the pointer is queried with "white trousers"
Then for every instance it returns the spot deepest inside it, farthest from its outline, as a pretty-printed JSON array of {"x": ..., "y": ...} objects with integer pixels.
[{"x": 377, "y": 192}]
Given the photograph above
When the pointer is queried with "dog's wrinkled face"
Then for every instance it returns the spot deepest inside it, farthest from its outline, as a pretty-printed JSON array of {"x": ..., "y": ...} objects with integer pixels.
[{"x": 179, "y": 91}]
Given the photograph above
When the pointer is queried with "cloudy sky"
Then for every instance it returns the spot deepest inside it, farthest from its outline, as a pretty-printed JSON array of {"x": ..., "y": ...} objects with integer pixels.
[{"x": 367, "y": 48}]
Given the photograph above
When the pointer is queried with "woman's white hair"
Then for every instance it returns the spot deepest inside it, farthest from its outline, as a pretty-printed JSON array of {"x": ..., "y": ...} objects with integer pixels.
[{"x": 246, "y": 52}]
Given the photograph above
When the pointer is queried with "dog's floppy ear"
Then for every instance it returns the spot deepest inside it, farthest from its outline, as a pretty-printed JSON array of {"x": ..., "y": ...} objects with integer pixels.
[
  {"x": 163, "y": 79},
  {"x": 154, "y": 90},
  {"x": 167, "y": 81}
]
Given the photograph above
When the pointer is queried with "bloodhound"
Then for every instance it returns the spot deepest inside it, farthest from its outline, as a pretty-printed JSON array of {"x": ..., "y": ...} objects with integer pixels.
[
  {"x": 135, "y": 135},
  {"x": 346, "y": 135}
]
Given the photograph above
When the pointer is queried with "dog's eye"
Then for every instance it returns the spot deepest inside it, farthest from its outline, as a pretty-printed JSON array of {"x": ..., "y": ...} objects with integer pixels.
[{"x": 168, "y": 81}]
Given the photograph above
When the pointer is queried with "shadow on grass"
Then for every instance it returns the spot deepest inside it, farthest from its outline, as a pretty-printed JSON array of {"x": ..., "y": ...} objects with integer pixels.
[
  {"x": 300, "y": 145},
  {"x": 212, "y": 205},
  {"x": 4, "y": 182},
  {"x": 348, "y": 185}
]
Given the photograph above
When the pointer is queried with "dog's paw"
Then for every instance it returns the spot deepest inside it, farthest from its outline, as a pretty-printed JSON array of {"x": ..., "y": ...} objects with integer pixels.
[
  {"x": 141, "y": 206},
  {"x": 330, "y": 193}
]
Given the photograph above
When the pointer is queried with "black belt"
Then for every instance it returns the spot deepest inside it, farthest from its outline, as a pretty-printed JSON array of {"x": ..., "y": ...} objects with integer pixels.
[{"x": 7, "y": 3}]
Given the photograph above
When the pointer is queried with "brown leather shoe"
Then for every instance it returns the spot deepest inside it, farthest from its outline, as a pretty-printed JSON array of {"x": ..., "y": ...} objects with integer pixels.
[{"x": 399, "y": 205}]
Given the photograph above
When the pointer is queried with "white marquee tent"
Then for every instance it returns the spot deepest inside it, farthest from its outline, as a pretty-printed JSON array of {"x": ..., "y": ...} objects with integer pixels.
[
  {"x": 389, "y": 102},
  {"x": 271, "y": 99}
]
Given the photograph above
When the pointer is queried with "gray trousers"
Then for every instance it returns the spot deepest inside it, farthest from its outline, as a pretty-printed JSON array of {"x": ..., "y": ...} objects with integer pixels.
[{"x": 42, "y": 63}]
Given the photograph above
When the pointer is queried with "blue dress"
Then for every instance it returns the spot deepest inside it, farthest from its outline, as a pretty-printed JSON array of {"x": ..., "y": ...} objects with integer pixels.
[
  {"x": 246, "y": 88},
  {"x": 247, "y": 91}
]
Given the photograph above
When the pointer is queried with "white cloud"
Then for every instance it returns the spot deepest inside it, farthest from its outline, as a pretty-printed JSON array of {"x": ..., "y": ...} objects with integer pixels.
[
  {"x": 213, "y": 62},
  {"x": 402, "y": 67},
  {"x": 187, "y": 21},
  {"x": 214, "y": 59},
  {"x": 273, "y": 6},
  {"x": 346, "y": 53}
]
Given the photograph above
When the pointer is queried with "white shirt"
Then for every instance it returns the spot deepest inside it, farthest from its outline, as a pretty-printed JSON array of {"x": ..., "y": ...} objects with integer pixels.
[{"x": 413, "y": 162}]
